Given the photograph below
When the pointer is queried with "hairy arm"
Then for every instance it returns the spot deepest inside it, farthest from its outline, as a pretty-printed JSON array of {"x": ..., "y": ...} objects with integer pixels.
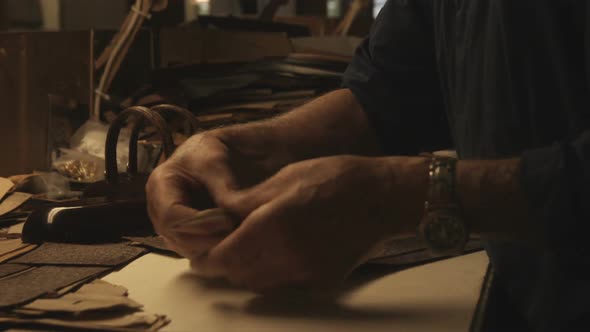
[
  {"x": 489, "y": 193},
  {"x": 329, "y": 125}
]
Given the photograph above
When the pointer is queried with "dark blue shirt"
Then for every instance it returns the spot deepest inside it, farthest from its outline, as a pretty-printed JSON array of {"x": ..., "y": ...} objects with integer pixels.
[{"x": 497, "y": 79}]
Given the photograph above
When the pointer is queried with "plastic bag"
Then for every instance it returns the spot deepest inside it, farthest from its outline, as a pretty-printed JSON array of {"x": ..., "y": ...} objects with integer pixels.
[
  {"x": 91, "y": 137},
  {"x": 79, "y": 166}
]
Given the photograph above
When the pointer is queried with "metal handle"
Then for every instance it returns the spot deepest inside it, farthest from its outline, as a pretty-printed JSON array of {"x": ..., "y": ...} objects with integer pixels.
[
  {"x": 180, "y": 111},
  {"x": 152, "y": 117},
  {"x": 160, "y": 109}
]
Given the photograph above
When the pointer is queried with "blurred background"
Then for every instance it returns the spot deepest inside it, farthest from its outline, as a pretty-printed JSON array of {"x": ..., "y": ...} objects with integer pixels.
[
  {"x": 226, "y": 61},
  {"x": 84, "y": 14}
]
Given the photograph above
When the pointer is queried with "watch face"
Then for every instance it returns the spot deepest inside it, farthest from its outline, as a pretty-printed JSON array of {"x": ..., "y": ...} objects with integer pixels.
[{"x": 444, "y": 234}]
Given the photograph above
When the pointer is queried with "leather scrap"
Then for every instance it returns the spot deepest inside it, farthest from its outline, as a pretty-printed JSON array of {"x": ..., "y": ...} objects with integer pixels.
[
  {"x": 104, "y": 288},
  {"x": 16, "y": 228},
  {"x": 152, "y": 243},
  {"x": 77, "y": 303},
  {"x": 79, "y": 254},
  {"x": 12, "y": 202},
  {"x": 129, "y": 323},
  {"x": 9, "y": 245},
  {"x": 67, "y": 289},
  {"x": 98, "y": 305},
  {"x": 96, "y": 296},
  {"x": 32, "y": 284},
  {"x": 11, "y": 248},
  {"x": 10, "y": 269},
  {"x": 5, "y": 186},
  {"x": 13, "y": 254},
  {"x": 12, "y": 218}
]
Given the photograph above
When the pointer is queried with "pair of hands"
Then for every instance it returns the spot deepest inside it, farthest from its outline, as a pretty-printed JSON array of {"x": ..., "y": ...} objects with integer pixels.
[{"x": 307, "y": 224}]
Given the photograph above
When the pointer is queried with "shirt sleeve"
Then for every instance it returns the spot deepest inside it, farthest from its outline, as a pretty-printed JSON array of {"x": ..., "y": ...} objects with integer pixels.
[
  {"x": 393, "y": 75},
  {"x": 556, "y": 181}
]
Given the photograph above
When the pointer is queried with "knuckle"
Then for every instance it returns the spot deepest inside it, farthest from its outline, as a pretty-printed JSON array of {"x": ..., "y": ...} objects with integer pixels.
[
  {"x": 199, "y": 142},
  {"x": 208, "y": 161},
  {"x": 203, "y": 137},
  {"x": 156, "y": 178},
  {"x": 194, "y": 141}
]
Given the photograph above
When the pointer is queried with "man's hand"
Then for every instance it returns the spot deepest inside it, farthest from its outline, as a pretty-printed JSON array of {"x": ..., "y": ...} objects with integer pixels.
[
  {"x": 208, "y": 169},
  {"x": 314, "y": 221},
  {"x": 198, "y": 176}
]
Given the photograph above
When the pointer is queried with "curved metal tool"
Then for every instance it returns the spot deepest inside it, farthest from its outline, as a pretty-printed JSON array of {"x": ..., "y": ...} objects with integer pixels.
[
  {"x": 146, "y": 114},
  {"x": 131, "y": 185},
  {"x": 162, "y": 110}
]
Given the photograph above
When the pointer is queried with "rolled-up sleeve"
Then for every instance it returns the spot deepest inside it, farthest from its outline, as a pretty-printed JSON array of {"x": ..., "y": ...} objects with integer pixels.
[{"x": 393, "y": 75}]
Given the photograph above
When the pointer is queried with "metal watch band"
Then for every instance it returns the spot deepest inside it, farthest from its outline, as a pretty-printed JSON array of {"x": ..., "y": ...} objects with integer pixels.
[
  {"x": 442, "y": 226},
  {"x": 441, "y": 189}
]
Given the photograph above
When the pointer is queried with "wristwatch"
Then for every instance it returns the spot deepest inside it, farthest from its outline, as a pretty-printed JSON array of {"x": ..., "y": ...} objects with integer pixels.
[{"x": 443, "y": 227}]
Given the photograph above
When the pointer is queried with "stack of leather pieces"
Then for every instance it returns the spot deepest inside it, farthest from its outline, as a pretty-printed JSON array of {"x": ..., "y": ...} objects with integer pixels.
[
  {"x": 54, "y": 286},
  {"x": 53, "y": 266},
  {"x": 96, "y": 306}
]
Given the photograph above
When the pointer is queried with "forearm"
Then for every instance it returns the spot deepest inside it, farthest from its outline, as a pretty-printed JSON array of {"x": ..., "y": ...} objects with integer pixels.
[
  {"x": 489, "y": 194},
  {"x": 330, "y": 125}
]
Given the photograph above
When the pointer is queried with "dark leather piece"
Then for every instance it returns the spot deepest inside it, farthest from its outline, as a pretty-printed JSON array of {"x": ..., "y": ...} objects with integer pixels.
[
  {"x": 80, "y": 254},
  {"x": 9, "y": 269},
  {"x": 153, "y": 244},
  {"x": 42, "y": 280}
]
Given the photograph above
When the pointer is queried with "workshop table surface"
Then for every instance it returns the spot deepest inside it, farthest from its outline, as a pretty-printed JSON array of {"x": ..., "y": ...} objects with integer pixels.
[{"x": 439, "y": 296}]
